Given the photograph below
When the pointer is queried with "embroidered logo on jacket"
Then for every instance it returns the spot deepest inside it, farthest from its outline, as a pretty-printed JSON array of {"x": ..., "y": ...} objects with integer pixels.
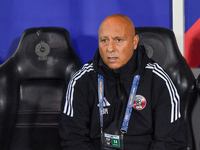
[
  {"x": 140, "y": 102},
  {"x": 105, "y": 104}
]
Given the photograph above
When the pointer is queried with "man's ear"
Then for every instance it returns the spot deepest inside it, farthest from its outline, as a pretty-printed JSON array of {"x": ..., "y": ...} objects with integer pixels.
[{"x": 135, "y": 41}]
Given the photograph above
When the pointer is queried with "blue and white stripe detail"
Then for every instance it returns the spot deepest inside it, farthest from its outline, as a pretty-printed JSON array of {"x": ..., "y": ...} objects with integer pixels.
[
  {"x": 68, "y": 107},
  {"x": 174, "y": 96}
]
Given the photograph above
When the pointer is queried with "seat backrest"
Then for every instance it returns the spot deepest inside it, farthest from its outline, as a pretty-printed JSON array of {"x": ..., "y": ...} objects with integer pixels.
[
  {"x": 32, "y": 85},
  {"x": 161, "y": 46}
]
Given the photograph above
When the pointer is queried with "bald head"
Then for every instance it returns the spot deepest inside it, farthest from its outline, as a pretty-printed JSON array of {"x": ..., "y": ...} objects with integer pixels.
[
  {"x": 117, "y": 40},
  {"x": 119, "y": 19}
]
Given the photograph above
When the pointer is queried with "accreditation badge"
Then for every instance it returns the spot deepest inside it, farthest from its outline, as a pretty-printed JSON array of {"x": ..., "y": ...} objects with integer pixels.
[{"x": 111, "y": 142}]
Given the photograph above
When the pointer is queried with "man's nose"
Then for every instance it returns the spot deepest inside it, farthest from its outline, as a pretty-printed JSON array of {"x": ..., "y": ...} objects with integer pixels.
[{"x": 111, "y": 46}]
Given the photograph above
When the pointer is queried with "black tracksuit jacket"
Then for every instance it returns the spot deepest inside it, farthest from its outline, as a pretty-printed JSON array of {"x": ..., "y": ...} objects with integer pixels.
[{"x": 155, "y": 124}]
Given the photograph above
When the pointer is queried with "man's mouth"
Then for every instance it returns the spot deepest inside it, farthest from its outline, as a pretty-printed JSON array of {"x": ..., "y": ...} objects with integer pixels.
[{"x": 112, "y": 59}]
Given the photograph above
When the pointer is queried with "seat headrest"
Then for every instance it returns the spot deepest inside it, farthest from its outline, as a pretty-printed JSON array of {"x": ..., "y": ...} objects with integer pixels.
[
  {"x": 160, "y": 44},
  {"x": 44, "y": 52}
]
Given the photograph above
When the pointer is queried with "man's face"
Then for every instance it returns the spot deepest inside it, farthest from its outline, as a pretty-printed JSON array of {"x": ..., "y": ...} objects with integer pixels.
[{"x": 116, "y": 43}]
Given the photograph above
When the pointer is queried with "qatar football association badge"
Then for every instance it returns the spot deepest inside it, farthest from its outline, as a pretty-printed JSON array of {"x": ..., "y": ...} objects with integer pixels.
[{"x": 139, "y": 102}]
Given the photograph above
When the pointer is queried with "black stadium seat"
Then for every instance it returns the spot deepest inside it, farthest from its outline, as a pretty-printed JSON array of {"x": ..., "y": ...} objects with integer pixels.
[{"x": 33, "y": 82}]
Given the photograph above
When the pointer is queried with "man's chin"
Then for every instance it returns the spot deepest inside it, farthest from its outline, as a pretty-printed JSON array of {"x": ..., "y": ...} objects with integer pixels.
[{"x": 113, "y": 66}]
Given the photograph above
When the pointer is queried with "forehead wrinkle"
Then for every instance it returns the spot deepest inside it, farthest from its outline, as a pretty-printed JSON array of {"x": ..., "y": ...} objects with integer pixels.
[
  {"x": 123, "y": 31},
  {"x": 113, "y": 31}
]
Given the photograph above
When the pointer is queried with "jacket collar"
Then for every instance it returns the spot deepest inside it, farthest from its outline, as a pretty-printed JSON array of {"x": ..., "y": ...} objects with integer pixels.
[{"x": 135, "y": 65}]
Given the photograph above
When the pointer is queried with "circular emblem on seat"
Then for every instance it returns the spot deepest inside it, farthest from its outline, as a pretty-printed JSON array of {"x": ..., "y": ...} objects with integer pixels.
[
  {"x": 42, "y": 49},
  {"x": 139, "y": 102},
  {"x": 149, "y": 50}
]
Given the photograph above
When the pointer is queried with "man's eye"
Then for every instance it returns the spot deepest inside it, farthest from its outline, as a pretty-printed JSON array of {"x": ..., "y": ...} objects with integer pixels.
[
  {"x": 103, "y": 40},
  {"x": 119, "y": 40}
]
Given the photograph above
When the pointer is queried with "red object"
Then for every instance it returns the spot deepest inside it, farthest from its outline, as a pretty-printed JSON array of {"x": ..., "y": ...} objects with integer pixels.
[{"x": 192, "y": 45}]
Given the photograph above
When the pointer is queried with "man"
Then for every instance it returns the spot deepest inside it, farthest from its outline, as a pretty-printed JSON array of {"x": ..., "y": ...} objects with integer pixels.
[{"x": 121, "y": 99}]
